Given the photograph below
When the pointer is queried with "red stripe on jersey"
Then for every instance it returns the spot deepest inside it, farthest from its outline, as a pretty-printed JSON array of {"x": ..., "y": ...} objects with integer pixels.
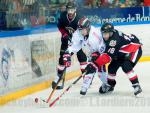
[
  {"x": 135, "y": 56},
  {"x": 83, "y": 63},
  {"x": 133, "y": 78},
  {"x": 132, "y": 56},
  {"x": 63, "y": 32},
  {"x": 132, "y": 47}
]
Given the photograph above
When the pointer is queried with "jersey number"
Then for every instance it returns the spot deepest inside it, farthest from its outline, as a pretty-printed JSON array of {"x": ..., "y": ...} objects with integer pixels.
[
  {"x": 111, "y": 50},
  {"x": 128, "y": 37}
]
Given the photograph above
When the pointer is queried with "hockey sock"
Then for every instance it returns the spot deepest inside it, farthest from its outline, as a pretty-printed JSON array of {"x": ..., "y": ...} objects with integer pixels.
[
  {"x": 60, "y": 70},
  {"x": 87, "y": 80},
  {"x": 103, "y": 76},
  {"x": 83, "y": 66},
  {"x": 133, "y": 77}
]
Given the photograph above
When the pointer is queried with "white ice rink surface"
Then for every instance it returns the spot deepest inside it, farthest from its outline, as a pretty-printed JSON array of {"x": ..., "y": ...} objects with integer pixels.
[{"x": 120, "y": 101}]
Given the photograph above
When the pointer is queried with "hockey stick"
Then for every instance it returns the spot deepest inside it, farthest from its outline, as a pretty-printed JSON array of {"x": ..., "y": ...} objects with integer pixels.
[
  {"x": 66, "y": 90},
  {"x": 63, "y": 81},
  {"x": 60, "y": 87}
]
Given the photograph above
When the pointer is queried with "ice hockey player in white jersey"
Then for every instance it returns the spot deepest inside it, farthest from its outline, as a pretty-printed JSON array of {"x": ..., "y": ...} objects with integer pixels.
[{"x": 90, "y": 39}]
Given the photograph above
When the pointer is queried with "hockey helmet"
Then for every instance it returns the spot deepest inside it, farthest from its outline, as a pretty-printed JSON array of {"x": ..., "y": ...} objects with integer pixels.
[
  {"x": 83, "y": 23},
  {"x": 107, "y": 27},
  {"x": 71, "y": 5}
]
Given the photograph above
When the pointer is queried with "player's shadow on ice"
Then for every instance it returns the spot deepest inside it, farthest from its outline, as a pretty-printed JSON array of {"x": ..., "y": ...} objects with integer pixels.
[
  {"x": 115, "y": 93},
  {"x": 123, "y": 93}
]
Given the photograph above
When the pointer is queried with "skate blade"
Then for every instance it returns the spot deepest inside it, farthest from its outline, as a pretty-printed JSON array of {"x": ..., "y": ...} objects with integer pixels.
[{"x": 140, "y": 95}]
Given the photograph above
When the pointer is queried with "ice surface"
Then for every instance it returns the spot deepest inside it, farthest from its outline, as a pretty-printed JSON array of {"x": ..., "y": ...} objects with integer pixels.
[{"x": 121, "y": 100}]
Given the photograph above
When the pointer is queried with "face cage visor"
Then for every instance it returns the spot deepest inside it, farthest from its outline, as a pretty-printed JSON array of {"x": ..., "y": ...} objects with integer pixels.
[{"x": 71, "y": 10}]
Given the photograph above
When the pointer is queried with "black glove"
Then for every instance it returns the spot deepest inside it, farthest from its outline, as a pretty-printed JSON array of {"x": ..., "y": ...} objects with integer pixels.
[
  {"x": 90, "y": 68},
  {"x": 67, "y": 37},
  {"x": 94, "y": 56},
  {"x": 67, "y": 59}
]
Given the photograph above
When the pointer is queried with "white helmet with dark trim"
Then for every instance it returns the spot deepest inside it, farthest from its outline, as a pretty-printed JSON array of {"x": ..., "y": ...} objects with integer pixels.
[{"x": 84, "y": 23}]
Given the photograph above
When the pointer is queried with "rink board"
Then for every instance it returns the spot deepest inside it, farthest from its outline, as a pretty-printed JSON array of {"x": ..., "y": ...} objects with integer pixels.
[
  {"x": 40, "y": 51},
  {"x": 26, "y": 61}
]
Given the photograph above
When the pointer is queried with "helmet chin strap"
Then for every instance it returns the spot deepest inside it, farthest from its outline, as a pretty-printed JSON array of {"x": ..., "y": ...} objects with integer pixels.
[
  {"x": 86, "y": 37},
  {"x": 88, "y": 30}
]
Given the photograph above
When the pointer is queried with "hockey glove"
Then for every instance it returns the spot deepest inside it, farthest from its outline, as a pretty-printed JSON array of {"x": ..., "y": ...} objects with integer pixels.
[
  {"x": 90, "y": 68},
  {"x": 67, "y": 59},
  {"x": 66, "y": 39},
  {"x": 102, "y": 59},
  {"x": 94, "y": 56}
]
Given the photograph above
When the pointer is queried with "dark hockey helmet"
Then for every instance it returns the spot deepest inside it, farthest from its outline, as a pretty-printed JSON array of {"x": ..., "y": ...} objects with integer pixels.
[
  {"x": 84, "y": 23},
  {"x": 71, "y": 5},
  {"x": 107, "y": 27}
]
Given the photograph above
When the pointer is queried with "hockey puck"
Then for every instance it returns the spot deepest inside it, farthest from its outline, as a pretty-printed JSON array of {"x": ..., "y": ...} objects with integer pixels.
[{"x": 36, "y": 100}]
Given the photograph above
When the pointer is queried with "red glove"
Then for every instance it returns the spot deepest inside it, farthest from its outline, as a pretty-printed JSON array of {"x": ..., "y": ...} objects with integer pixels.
[
  {"x": 103, "y": 59},
  {"x": 67, "y": 59},
  {"x": 65, "y": 35}
]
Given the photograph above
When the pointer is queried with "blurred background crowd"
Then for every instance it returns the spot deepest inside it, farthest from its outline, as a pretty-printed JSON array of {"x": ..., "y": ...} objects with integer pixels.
[{"x": 19, "y": 14}]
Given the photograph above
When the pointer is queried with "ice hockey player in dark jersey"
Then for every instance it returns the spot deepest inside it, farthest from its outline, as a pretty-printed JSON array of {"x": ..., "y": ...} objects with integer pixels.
[
  {"x": 67, "y": 24},
  {"x": 121, "y": 51}
]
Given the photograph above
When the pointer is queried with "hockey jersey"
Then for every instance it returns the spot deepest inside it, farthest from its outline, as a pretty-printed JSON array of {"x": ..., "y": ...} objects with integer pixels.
[
  {"x": 67, "y": 26},
  {"x": 120, "y": 45},
  {"x": 94, "y": 42}
]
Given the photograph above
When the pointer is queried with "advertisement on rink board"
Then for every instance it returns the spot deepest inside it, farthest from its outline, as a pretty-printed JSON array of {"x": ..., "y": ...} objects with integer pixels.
[
  {"x": 42, "y": 55},
  {"x": 117, "y": 15},
  {"x": 113, "y": 15},
  {"x": 15, "y": 63},
  {"x": 28, "y": 60}
]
